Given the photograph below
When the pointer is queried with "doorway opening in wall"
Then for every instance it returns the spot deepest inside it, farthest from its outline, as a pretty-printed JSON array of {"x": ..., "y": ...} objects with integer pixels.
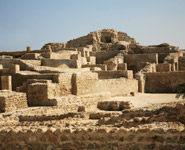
[
  {"x": 176, "y": 66},
  {"x": 106, "y": 39}
]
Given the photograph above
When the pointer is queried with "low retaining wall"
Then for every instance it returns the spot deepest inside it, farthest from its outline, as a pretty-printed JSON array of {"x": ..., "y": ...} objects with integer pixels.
[{"x": 99, "y": 139}]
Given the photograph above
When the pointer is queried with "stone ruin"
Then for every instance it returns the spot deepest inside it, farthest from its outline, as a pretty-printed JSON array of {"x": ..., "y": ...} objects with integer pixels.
[{"x": 76, "y": 95}]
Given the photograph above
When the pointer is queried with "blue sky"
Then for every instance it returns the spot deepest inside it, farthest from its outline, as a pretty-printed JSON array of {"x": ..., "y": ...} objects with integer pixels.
[{"x": 36, "y": 22}]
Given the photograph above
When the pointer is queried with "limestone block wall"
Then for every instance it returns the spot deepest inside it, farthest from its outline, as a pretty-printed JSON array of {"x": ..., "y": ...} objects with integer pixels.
[
  {"x": 163, "y": 67},
  {"x": 37, "y": 94},
  {"x": 105, "y": 55},
  {"x": 181, "y": 63},
  {"x": 167, "y": 49},
  {"x": 6, "y": 83},
  {"x": 64, "y": 54},
  {"x": 114, "y": 74},
  {"x": 112, "y": 64},
  {"x": 164, "y": 82},
  {"x": 88, "y": 83},
  {"x": 64, "y": 84},
  {"x": 32, "y": 56},
  {"x": 99, "y": 139},
  {"x": 118, "y": 87},
  {"x": 84, "y": 83},
  {"x": 101, "y": 66},
  {"x": 61, "y": 63},
  {"x": 135, "y": 61},
  {"x": 24, "y": 64},
  {"x": 42, "y": 92},
  {"x": 12, "y": 101},
  {"x": 19, "y": 79}
]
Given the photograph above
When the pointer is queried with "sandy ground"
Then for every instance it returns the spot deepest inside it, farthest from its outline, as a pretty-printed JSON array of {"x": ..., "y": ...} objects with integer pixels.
[{"x": 141, "y": 100}]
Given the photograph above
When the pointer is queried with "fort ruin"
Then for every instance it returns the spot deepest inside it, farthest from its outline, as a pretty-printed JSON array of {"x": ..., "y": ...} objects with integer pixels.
[{"x": 93, "y": 92}]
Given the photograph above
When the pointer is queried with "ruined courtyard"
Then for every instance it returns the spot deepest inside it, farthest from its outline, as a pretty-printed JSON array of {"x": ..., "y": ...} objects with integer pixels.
[{"x": 97, "y": 92}]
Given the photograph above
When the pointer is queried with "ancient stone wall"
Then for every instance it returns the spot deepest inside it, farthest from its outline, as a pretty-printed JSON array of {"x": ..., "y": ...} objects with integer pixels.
[
  {"x": 24, "y": 64},
  {"x": 88, "y": 83},
  {"x": 135, "y": 61},
  {"x": 123, "y": 86},
  {"x": 12, "y": 101},
  {"x": 32, "y": 56},
  {"x": 159, "y": 50},
  {"x": 53, "y": 46},
  {"x": 81, "y": 42},
  {"x": 181, "y": 63},
  {"x": 163, "y": 82},
  {"x": 107, "y": 39},
  {"x": 42, "y": 92},
  {"x": 99, "y": 139},
  {"x": 38, "y": 94},
  {"x": 105, "y": 55},
  {"x": 64, "y": 83},
  {"x": 161, "y": 57},
  {"x": 115, "y": 74},
  {"x": 100, "y": 66},
  {"x": 64, "y": 54},
  {"x": 163, "y": 67},
  {"x": 19, "y": 79},
  {"x": 84, "y": 83},
  {"x": 6, "y": 83},
  {"x": 63, "y": 63}
]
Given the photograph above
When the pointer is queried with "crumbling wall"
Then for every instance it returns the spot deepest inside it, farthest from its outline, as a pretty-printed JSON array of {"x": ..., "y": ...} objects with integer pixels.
[
  {"x": 63, "y": 63},
  {"x": 181, "y": 63},
  {"x": 135, "y": 61},
  {"x": 12, "y": 101},
  {"x": 88, "y": 83},
  {"x": 161, "y": 48},
  {"x": 19, "y": 79},
  {"x": 24, "y": 64},
  {"x": 64, "y": 54},
  {"x": 64, "y": 84},
  {"x": 112, "y": 63},
  {"x": 153, "y": 49},
  {"x": 105, "y": 55},
  {"x": 100, "y": 138},
  {"x": 84, "y": 83},
  {"x": 163, "y": 67},
  {"x": 164, "y": 82},
  {"x": 42, "y": 92},
  {"x": 53, "y": 46},
  {"x": 115, "y": 74},
  {"x": 81, "y": 42},
  {"x": 32, "y": 56},
  {"x": 38, "y": 94},
  {"x": 118, "y": 87},
  {"x": 107, "y": 39}
]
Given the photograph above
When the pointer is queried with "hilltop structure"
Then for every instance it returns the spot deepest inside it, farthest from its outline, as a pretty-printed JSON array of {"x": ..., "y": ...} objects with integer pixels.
[{"x": 82, "y": 83}]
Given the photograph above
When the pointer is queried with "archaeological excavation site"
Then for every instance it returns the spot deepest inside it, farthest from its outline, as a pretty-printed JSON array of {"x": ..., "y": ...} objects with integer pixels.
[{"x": 101, "y": 91}]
